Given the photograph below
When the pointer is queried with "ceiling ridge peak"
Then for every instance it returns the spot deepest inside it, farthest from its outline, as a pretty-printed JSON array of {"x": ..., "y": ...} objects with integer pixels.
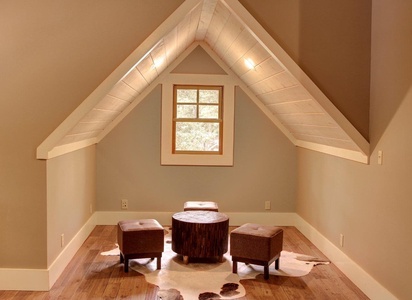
[{"x": 208, "y": 7}]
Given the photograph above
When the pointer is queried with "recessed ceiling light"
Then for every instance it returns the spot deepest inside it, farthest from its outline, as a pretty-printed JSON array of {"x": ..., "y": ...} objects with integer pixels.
[
  {"x": 158, "y": 62},
  {"x": 250, "y": 64}
]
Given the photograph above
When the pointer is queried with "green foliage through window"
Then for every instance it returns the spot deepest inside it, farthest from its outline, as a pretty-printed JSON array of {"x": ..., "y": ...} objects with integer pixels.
[{"x": 197, "y": 119}]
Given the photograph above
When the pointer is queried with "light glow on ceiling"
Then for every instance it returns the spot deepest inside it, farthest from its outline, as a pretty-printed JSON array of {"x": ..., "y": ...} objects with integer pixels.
[
  {"x": 158, "y": 62},
  {"x": 250, "y": 64}
]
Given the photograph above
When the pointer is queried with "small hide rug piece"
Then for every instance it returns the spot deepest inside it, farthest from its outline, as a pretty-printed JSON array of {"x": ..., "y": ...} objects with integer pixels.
[
  {"x": 113, "y": 252},
  {"x": 207, "y": 279}
]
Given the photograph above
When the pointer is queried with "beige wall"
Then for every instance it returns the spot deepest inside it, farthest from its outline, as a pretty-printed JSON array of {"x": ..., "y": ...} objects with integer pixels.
[
  {"x": 22, "y": 199},
  {"x": 53, "y": 55},
  {"x": 371, "y": 204},
  {"x": 128, "y": 166},
  {"x": 71, "y": 189}
]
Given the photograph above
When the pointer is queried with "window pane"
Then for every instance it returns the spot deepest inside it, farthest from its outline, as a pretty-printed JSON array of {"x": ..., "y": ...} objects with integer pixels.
[
  {"x": 186, "y": 111},
  {"x": 186, "y": 96},
  {"x": 197, "y": 136},
  {"x": 209, "y": 96},
  {"x": 208, "y": 111}
]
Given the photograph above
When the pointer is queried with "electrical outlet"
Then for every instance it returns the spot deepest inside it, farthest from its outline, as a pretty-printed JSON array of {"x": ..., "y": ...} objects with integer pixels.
[
  {"x": 380, "y": 157},
  {"x": 125, "y": 205},
  {"x": 342, "y": 239},
  {"x": 267, "y": 205}
]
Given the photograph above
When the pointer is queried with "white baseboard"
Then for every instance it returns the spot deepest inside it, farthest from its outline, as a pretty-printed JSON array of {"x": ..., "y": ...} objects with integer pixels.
[
  {"x": 165, "y": 218},
  {"x": 372, "y": 288},
  {"x": 113, "y": 217},
  {"x": 61, "y": 262},
  {"x": 43, "y": 280},
  {"x": 265, "y": 218}
]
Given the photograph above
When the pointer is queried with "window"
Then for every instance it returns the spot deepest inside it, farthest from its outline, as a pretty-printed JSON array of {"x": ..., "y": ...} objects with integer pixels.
[{"x": 197, "y": 119}]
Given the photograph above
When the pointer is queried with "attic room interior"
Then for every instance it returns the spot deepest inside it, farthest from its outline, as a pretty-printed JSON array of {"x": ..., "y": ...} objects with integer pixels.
[{"x": 321, "y": 95}]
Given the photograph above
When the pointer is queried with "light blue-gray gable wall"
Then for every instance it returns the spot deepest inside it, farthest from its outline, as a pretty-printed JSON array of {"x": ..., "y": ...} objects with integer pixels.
[{"x": 128, "y": 166}]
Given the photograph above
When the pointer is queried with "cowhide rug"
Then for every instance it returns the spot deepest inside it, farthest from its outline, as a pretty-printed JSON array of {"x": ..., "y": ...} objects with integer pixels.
[{"x": 207, "y": 279}]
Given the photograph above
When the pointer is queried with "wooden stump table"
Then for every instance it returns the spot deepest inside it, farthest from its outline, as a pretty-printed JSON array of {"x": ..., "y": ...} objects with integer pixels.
[{"x": 200, "y": 234}]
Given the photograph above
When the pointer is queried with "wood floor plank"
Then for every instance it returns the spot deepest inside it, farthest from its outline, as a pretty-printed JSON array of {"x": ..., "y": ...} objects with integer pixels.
[
  {"x": 91, "y": 275},
  {"x": 8, "y": 294}
]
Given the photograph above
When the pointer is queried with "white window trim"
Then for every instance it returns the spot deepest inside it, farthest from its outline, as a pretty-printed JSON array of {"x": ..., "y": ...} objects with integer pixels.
[{"x": 224, "y": 159}]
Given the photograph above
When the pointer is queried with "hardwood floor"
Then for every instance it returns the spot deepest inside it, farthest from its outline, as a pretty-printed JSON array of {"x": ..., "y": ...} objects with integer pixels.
[{"x": 93, "y": 276}]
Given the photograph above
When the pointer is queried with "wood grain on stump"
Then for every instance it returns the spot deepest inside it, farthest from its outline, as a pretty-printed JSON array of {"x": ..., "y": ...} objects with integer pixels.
[{"x": 200, "y": 234}]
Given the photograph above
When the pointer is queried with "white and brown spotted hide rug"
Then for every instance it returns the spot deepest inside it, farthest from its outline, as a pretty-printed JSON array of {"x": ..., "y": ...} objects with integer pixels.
[{"x": 208, "y": 279}]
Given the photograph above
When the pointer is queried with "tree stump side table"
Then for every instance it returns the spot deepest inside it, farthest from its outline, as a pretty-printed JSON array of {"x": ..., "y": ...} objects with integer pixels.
[{"x": 200, "y": 234}]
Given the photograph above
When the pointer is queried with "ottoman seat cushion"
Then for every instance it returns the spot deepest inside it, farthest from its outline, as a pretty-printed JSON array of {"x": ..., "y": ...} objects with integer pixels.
[{"x": 200, "y": 205}]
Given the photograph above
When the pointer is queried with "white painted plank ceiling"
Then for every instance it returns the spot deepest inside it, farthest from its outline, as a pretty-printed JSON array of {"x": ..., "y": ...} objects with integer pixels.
[{"x": 214, "y": 23}]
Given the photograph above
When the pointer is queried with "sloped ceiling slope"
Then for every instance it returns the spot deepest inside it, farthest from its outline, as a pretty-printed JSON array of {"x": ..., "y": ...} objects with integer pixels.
[{"x": 244, "y": 49}]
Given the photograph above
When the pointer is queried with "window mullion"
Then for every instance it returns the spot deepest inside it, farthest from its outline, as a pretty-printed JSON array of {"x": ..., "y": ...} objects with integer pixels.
[{"x": 197, "y": 104}]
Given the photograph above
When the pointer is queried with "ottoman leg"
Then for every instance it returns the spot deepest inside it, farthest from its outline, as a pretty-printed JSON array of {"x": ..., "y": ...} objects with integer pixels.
[
  {"x": 277, "y": 264},
  {"x": 266, "y": 272},
  {"x": 126, "y": 265},
  {"x": 121, "y": 258},
  {"x": 234, "y": 268},
  {"x": 159, "y": 262}
]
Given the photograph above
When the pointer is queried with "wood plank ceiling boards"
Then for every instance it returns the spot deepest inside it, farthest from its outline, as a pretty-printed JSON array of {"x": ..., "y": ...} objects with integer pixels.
[{"x": 227, "y": 31}]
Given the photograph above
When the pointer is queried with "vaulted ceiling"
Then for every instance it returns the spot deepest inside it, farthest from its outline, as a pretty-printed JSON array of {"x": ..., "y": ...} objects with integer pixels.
[{"x": 226, "y": 30}]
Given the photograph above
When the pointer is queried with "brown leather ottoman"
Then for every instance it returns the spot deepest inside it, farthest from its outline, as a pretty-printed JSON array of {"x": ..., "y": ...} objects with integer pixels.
[
  {"x": 200, "y": 205},
  {"x": 256, "y": 244},
  {"x": 140, "y": 239}
]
